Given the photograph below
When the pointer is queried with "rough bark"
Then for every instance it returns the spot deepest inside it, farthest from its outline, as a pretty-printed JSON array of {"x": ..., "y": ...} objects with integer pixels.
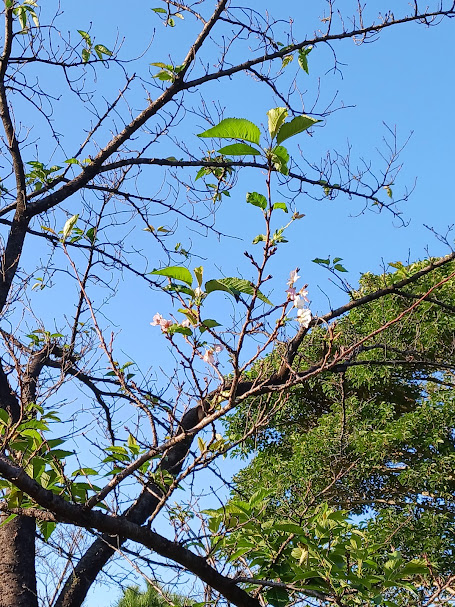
[{"x": 17, "y": 563}]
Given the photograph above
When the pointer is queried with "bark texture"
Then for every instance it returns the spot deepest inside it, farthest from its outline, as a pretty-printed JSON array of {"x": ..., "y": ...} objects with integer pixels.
[{"x": 17, "y": 563}]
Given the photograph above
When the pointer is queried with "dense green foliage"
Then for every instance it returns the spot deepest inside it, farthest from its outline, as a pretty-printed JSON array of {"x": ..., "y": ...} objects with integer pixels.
[{"x": 374, "y": 438}]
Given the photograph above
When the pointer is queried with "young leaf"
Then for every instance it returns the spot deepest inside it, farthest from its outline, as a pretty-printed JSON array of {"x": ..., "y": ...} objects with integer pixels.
[
  {"x": 286, "y": 60},
  {"x": 68, "y": 227},
  {"x": 239, "y": 149},
  {"x": 175, "y": 272},
  {"x": 259, "y": 238},
  {"x": 339, "y": 267},
  {"x": 258, "y": 200},
  {"x": 198, "y": 273},
  {"x": 276, "y": 118},
  {"x": 280, "y": 158},
  {"x": 295, "y": 126},
  {"x": 303, "y": 58},
  {"x": 281, "y": 205},
  {"x": 101, "y": 50},
  {"x": 234, "y": 128},
  {"x": 86, "y": 37}
]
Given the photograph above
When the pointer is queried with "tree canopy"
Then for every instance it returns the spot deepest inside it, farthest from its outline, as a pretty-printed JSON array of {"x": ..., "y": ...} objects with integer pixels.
[{"x": 126, "y": 177}]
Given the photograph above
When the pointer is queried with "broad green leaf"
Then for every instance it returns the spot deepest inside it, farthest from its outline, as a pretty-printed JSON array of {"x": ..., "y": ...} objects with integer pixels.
[
  {"x": 176, "y": 328},
  {"x": 320, "y": 261},
  {"x": 339, "y": 267},
  {"x": 68, "y": 227},
  {"x": 234, "y": 286},
  {"x": 281, "y": 205},
  {"x": 258, "y": 200},
  {"x": 234, "y": 128},
  {"x": 159, "y": 10},
  {"x": 259, "y": 238},
  {"x": 85, "y": 55},
  {"x": 46, "y": 528},
  {"x": 239, "y": 149},
  {"x": 175, "y": 272},
  {"x": 276, "y": 118},
  {"x": 295, "y": 126}
]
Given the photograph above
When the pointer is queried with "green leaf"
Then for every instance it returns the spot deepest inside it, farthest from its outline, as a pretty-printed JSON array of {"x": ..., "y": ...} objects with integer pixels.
[
  {"x": 159, "y": 10},
  {"x": 163, "y": 75},
  {"x": 209, "y": 323},
  {"x": 198, "y": 272},
  {"x": 286, "y": 60},
  {"x": 277, "y": 597},
  {"x": 259, "y": 238},
  {"x": 176, "y": 328},
  {"x": 234, "y": 128},
  {"x": 239, "y": 149},
  {"x": 258, "y": 200},
  {"x": 46, "y": 528},
  {"x": 234, "y": 286},
  {"x": 68, "y": 227},
  {"x": 85, "y": 55},
  {"x": 339, "y": 267},
  {"x": 280, "y": 158},
  {"x": 86, "y": 37},
  {"x": 276, "y": 118},
  {"x": 91, "y": 235},
  {"x": 318, "y": 260},
  {"x": 281, "y": 205},
  {"x": 101, "y": 50},
  {"x": 294, "y": 127},
  {"x": 303, "y": 58},
  {"x": 175, "y": 272}
]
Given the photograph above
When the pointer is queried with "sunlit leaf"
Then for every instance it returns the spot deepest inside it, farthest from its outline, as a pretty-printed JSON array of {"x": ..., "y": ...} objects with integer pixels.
[
  {"x": 239, "y": 149},
  {"x": 234, "y": 128},
  {"x": 276, "y": 118},
  {"x": 176, "y": 272},
  {"x": 295, "y": 126},
  {"x": 258, "y": 200}
]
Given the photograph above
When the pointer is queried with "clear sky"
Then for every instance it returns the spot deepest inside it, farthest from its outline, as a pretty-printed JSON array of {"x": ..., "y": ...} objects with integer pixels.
[{"x": 403, "y": 81}]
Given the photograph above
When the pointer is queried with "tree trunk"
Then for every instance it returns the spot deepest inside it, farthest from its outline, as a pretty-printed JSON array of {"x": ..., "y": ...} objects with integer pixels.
[{"x": 17, "y": 563}]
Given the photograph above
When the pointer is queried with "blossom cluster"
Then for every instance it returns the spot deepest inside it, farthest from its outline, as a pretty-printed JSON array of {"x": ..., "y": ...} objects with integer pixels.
[
  {"x": 300, "y": 299},
  {"x": 164, "y": 324}
]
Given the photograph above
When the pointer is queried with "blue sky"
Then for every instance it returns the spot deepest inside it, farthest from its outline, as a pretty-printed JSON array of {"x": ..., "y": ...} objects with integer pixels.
[{"x": 403, "y": 81}]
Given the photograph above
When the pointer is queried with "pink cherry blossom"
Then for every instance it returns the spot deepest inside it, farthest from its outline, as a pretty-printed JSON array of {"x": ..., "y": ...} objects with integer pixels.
[
  {"x": 208, "y": 357},
  {"x": 291, "y": 293},
  {"x": 218, "y": 348},
  {"x": 165, "y": 324},
  {"x": 293, "y": 277},
  {"x": 185, "y": 323},
  {"x": 158, "y": 320}
]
